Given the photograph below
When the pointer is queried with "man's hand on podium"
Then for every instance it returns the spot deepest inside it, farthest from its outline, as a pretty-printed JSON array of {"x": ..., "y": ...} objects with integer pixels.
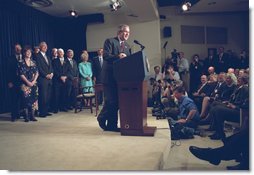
[{"x": 122, "y": 55}]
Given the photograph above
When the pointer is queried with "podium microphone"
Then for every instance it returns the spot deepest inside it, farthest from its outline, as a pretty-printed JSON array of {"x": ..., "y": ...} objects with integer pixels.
[
  {"x": 138, "y": 43},
  {"x": 165, "y": 45}
]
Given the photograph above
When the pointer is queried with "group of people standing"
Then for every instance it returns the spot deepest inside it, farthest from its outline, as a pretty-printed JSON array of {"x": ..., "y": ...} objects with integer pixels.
[{"x": 44, "y": 84}]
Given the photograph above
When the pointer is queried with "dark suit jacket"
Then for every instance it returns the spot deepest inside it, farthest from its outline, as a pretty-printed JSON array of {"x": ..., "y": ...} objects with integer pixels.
[
  {"x": 12, "y": 75},
  {"x": 96, "y": 67},
  {"x": 240, "y": 95},
  {"x": 73, "y": 70},
  {"x": 221, "y": 65},
  {"x": 61, "y": 70},
  {"x": 111, "y": 52},
  {"x": 44, "y": 68}
]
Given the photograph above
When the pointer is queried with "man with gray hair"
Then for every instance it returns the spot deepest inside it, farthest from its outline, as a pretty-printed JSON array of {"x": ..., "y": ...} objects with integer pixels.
[
  {"x": 62, "y": 69},
  {"x": 44, "y": 80},
  {"x": 114, "y": 49}
]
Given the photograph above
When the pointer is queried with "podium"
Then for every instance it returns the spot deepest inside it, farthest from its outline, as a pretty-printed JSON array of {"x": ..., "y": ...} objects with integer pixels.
[{"x": 130, "y": 74}]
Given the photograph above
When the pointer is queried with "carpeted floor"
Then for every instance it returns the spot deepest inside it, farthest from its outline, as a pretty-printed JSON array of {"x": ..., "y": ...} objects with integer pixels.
[{"x": 69, "y": 141}]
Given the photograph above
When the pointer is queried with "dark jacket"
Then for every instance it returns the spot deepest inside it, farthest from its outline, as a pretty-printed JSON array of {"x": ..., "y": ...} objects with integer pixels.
[
  {"x": 44, "y": 68},
  {"x": 111, "y": 52},
  {"x": 61, "y": 70},
  {"x": 96, "y": 67}
]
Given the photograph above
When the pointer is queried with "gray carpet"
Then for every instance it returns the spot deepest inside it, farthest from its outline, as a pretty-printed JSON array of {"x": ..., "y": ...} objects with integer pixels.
[{"x": 69, "y": 141}]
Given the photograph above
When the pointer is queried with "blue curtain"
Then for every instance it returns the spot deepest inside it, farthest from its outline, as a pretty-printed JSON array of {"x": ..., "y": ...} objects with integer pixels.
[{"x": 27, "y": 26}]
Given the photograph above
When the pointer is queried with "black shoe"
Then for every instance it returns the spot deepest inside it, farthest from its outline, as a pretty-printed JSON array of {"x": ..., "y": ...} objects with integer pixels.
[
  {"x": 113, "y": 129},
  {"x": 64, "y": 110},
  {"x": 205, "y": 154},
  {"x": 33, "y": 119},
  {"x": 240, "y": 166},
  {"x": 26, "y": 120},
  {"x": 205, "y": 121},
  {"x": 102, "y": 123},
  {"x": 48, "y": 114},
  {"x": 55, "y": 111},
  {"x": 216, "y": 136},
  {"x": 43, "y": 115},
  {"x": 70, "y": 108}
]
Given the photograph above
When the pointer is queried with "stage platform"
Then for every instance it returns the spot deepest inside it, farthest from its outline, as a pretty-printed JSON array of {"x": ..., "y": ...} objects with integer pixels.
[{"x": 69, "y": 141}]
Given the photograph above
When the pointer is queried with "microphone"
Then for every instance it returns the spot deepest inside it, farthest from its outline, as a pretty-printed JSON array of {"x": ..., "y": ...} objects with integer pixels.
[
  {"x": 165, "y": 45},
  {"x": 138, "y": 43}
]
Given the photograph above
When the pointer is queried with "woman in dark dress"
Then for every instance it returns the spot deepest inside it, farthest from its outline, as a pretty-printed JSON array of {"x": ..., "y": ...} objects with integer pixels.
[{"x": 28, "y": 73}]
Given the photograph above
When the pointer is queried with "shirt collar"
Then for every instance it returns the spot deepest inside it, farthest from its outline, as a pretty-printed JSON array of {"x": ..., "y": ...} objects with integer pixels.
[{"x": 43, "y": 53}]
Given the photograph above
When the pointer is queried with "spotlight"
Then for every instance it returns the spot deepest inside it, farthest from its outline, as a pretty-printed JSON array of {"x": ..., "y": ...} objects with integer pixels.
[
  {"x": 115, "y": 5},
  {"x": 186, "y": 6},
  {"x": 73, "y": 13}
]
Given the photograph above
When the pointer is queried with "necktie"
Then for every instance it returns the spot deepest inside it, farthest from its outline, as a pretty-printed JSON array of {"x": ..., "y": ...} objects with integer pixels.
[
  {"x": 101, "y": 61},
  {"x": 62, "y": 61},
  {"x": 71, "y": 61},
  {"x": 19, "y": 58},
  {"x": 46, "y": 59},
  {"x": 122, "y": 46}
]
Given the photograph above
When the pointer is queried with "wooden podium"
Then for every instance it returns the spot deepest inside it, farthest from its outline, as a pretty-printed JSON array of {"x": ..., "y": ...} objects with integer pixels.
[{"x": 130, "y": 73}]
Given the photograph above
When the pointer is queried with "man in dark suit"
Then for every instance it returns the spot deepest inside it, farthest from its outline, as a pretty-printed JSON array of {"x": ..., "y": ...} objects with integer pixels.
[
  {"x": 74, "y": 74},
  {"x": 13, "y": 81},
  {"x": 45, "y": 79},
  {"x": 221, "y": 64},
  {"x": 62, "y": 69},
  {"x": 114, "y": 49},
  {"x": 97, "y": 67}
]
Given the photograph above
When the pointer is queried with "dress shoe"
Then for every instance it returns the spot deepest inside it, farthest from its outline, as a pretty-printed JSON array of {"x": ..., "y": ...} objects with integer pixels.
[
  {"x": 55, "y": 111},
  {"x": 113, "y": 129},
  {"x": 26, "y": 120},
  {"x": 240, "y": 166},
  {"x": 48, "y": 114},
  {"x": 205, "y": 121},
  {"x": 43, "y": 115},
  {"x": 102, "y": 123},
  {"x": 205, "y": 154},
  {"x": 216, "y": 136},
  {"x": 33, "y": 119},
  {"x": 70, "y": 108},
  {"x": 64, "y": 110}
]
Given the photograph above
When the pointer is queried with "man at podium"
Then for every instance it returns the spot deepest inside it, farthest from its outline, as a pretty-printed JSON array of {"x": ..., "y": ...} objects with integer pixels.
[{"x": 114, "y": 49}]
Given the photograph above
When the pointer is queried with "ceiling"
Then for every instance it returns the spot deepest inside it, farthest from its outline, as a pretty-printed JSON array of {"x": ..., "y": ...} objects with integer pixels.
[{"x": 136, "y": 10}]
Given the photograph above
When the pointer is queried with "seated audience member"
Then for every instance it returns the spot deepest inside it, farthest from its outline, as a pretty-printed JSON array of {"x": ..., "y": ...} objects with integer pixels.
[
  {"x": 188, "y": 115},
  {"x": 157, "y": 73},
  {"x": 62, "y": 69},
  {"x": 222, "y": 92},
  {"x": 171, "y": 75},
  {"x": 230, "y": 110},
  {"x": 28, "y": 72},
  {"x": 211, "y": 71},
  {"x": 205, "y": 89},
  {"x": 234, "y": 147},
  {"x": 231, "y": 70}
]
